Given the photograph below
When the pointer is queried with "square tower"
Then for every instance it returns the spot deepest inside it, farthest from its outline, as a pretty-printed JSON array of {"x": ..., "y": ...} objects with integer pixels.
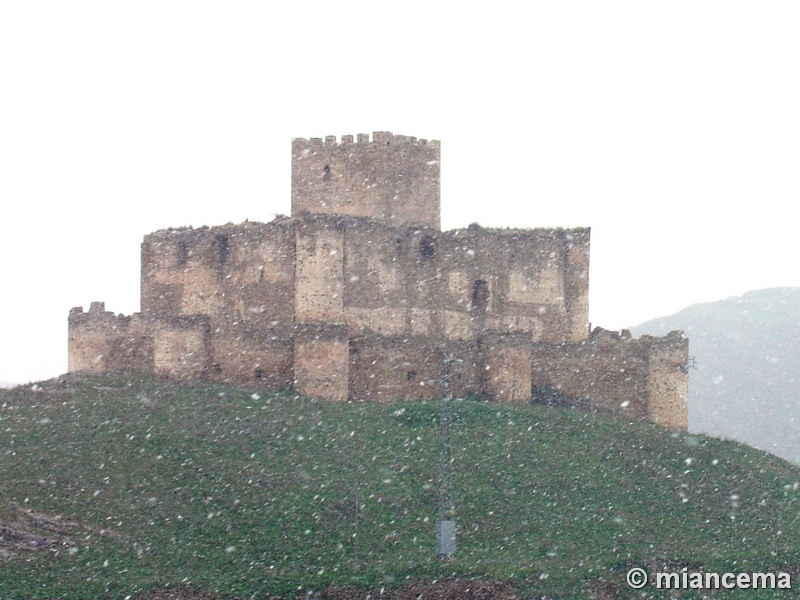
[{"x": 391, "y": 178}]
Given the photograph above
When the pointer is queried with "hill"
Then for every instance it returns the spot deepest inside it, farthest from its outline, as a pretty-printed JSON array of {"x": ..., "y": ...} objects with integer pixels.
[
  {"x": 133, "y": 484},
  {"x": 746, "y": 385}
]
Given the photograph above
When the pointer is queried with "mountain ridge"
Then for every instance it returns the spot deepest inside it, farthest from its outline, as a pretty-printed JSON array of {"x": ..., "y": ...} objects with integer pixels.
[{"x": 744, "y": 383}]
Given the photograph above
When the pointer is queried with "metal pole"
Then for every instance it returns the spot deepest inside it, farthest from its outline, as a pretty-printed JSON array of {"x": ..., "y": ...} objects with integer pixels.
[{"x": 446, "y": 525}]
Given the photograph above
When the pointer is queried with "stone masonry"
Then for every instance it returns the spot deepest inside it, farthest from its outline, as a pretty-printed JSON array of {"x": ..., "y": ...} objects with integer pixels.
[{"x": 359, "y": 294}]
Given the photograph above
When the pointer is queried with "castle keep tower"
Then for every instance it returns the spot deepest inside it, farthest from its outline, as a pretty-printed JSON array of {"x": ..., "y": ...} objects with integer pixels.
[
  {"x": 392, "y": 178},
  {"x": 358, "y": 293}
]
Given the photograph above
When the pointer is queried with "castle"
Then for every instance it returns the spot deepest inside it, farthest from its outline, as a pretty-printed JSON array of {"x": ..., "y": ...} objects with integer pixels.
[{"x": 359, "y": 294}]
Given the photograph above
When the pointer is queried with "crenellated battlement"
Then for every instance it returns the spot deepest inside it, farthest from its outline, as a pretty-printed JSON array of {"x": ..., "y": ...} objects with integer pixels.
[
  {"x": 379, "y": 138},
  {"x": 97, "y": 313},
  {"x": 100, "y": 340}
]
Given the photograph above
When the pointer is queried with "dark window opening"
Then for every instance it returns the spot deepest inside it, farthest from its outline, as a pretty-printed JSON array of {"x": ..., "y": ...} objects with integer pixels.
[
  {"x": 326, "y": 173},
  {"x": 259, "y": 373},
  {"x": 427, "y": 246},
  {"x": 411, "y": 376},
  {"x": 223, "y": 246},
  {"x": 480, "y": 295},
  {"x": 181, "y": 254}
]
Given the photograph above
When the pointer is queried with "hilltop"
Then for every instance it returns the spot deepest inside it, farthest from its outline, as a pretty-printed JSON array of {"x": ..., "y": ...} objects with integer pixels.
[{"x": 135, "y": 484}]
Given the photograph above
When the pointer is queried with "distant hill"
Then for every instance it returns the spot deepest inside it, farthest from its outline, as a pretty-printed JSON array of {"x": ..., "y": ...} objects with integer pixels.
[
  {"x": 113, "y": 486},
  {"x": 746, "y": 385}
]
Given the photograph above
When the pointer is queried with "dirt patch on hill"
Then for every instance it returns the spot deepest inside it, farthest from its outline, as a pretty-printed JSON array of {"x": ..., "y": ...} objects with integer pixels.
[{"x": 23, "y": 532}]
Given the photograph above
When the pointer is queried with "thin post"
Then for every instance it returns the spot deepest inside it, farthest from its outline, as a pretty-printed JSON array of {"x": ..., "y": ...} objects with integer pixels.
[{"x": 446, "y": 525}]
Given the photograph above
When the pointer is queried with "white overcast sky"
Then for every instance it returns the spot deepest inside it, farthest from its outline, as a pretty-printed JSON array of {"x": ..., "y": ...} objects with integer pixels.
[{"x": 671, "y": 128}]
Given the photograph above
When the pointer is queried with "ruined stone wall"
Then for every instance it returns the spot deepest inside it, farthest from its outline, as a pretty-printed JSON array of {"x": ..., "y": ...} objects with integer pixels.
[
  {"x": 175, "y": 346},
  {"x": 319, "y": 271},
  {"x": 241, "y": 278},
  {"x": 387, "y": 368},
  {"x": 530, "y": 282},
  {"x": 644, "y": 378},
  {"x": 249, "y": 356},
  {"x": 321, "y": 361},
  {"x": 668, "y": 380},
  {"x": 182, "y": 273},
  {"x": 180, "y": 346},
  {"x": 100, "y": 341},
  {"x": 391, "y": 178},
  {"x": 387, "y": 286},
  {"x": 235, "y": 274},
  {"x": 576, "y": 282},
  {"x": 607, "y": 371},
  {"x": 454, "y": 285},
  {"x": 505, "y": 361}
]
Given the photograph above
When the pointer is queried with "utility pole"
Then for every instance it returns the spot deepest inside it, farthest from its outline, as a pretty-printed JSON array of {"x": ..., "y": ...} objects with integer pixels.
[{"x": 446, "y": 524}]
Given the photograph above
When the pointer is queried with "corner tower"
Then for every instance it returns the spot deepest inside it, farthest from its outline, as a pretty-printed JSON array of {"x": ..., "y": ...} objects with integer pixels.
[{"x": 391, "y": 178}]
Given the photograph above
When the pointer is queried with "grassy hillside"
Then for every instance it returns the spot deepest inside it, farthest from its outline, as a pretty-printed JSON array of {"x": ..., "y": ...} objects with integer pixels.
[{"x": 142, "y": 485}]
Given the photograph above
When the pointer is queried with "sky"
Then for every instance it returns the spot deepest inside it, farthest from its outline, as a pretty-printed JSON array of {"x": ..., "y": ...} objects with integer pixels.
[{"x": 672, "y": 129}]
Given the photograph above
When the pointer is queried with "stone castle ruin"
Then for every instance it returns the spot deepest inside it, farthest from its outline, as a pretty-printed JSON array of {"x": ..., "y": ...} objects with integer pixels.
[{"x": 359, "y": 294}]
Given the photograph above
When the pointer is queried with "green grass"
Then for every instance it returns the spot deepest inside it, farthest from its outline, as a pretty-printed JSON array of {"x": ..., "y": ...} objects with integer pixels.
[{"x": 247, "y": 494}]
